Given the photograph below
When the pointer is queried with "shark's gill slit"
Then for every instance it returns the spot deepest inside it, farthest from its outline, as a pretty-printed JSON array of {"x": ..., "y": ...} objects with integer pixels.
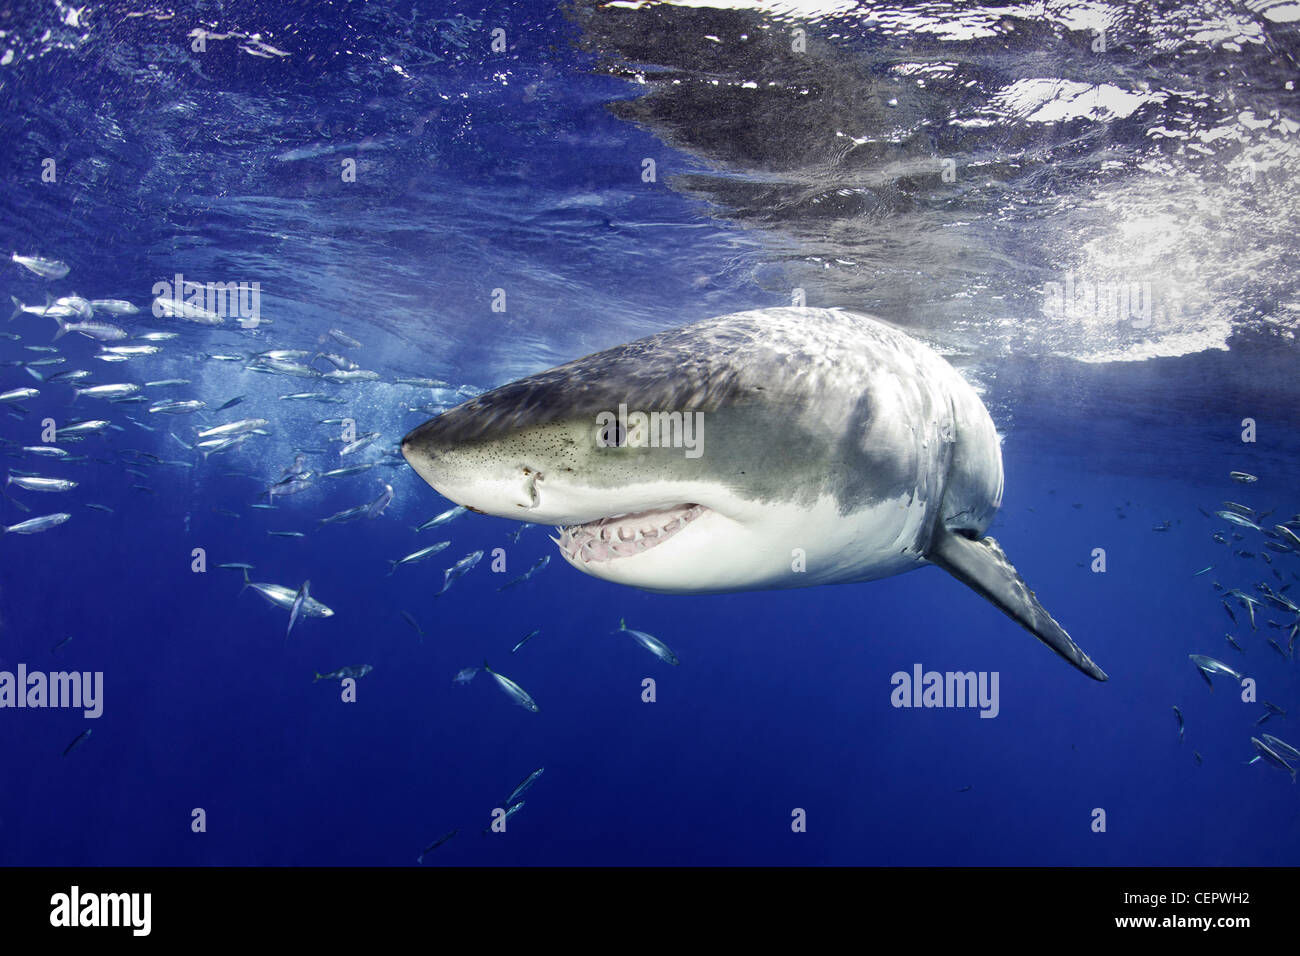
[{"x": 530, "y": 488}]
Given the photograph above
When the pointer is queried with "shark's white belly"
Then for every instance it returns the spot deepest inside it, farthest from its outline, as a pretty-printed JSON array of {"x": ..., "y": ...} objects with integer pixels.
[{"x": 791, "y": 546}]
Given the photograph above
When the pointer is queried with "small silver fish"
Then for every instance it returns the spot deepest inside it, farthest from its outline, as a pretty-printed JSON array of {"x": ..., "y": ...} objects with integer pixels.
[
  {"x": 117, "y": 390},
  {"x": 35, "y": 525},
  {"x": 283, "y": 597},
  {"x": 114, "y": 306},
  {"x": 177, "y": 407},
  {"x": 78, "y": 429},
  {"x": 359, "y": 443},
  {"x": 177, "y": 309},
  {"x": 527, "y": 637},
  {"x": 76, "y": 740},
  {"x": 356, "y": 672},
  {"x": 350, "y": 470},
  {"x": 459, "y": 568},
  {"x": 347, "y": 514},
  {"x": 415, "y": 624},
  {"x": 100, "y": 331},
  {"x": 435, "y": 844},
  {"x": 344, "y": 339},
  {"x": 214, "y": 446},
  {"x": 420, "y": 555},
  {"x": 355, "y": 375},
  {"x": 338, "y": 361},
  {"x": 513, "y": 690},
  {"x": 1242, "y": 477},
  {"x": 232, "y": 428},
  {"x": 1208, "y": 666},
  {"x": 1281, "y": 747},
  {"x": 449, "y": 515},
  {"x": 652, "y": 644},
  {"x": 524, "y": 784},
  {"x": 36, "y": 483},
  {"x": 45, "y": 268},
  {"x": 510, "y": 812},
  {"x": 1271, "y": 756},
  {"x": 1234, "y": 518},
  {"x": 376, "y": 507},
  {"x": 538, "y": 566}
]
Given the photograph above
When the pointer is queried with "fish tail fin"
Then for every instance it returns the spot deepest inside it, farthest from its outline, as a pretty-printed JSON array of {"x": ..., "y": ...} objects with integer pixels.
[
  {"x": 247, "y": 582},
  {"x": 18, "y": 307},
  {"x": 319, "y": 675},
  {"x": 63, "y": 327},
  {"x": 983, "y": 567},
  {"x": 622, "y": 624}
]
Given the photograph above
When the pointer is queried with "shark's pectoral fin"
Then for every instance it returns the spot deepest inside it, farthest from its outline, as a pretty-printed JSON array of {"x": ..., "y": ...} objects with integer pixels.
[{"x": 982, "y": 566}]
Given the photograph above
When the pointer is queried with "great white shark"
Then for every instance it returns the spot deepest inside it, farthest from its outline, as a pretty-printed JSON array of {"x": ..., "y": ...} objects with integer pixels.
[{"x": 776, "y": 448}]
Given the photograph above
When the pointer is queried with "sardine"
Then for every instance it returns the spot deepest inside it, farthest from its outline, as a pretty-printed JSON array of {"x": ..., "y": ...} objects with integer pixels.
[
  {"x": 1271, "y": 756},
  {"x": 45, "y": 268},
  {"x": 417, "y": 556},
  {"x": 37, "y": 483},
  {"x": 527, "y": 637},
  {"x": 35, "y": 525},
  {"x": 513, "y": 690},
  {"x": 652, "y": 644},
  {"x": 442, "y": 839},
  {"x": 458, "y": 569},
  {"x": 524, "y": 784},
  {"x": 283, "y": 597},
  {"x": 449, "y": 515}
]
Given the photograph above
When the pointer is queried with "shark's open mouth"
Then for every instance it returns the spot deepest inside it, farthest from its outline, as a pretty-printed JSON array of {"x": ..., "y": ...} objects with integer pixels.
[{"x": 621, "y": 536}]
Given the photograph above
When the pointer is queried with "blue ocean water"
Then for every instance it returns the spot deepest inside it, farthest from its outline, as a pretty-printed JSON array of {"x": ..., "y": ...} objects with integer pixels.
[{"x": 794, "y": 147}]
